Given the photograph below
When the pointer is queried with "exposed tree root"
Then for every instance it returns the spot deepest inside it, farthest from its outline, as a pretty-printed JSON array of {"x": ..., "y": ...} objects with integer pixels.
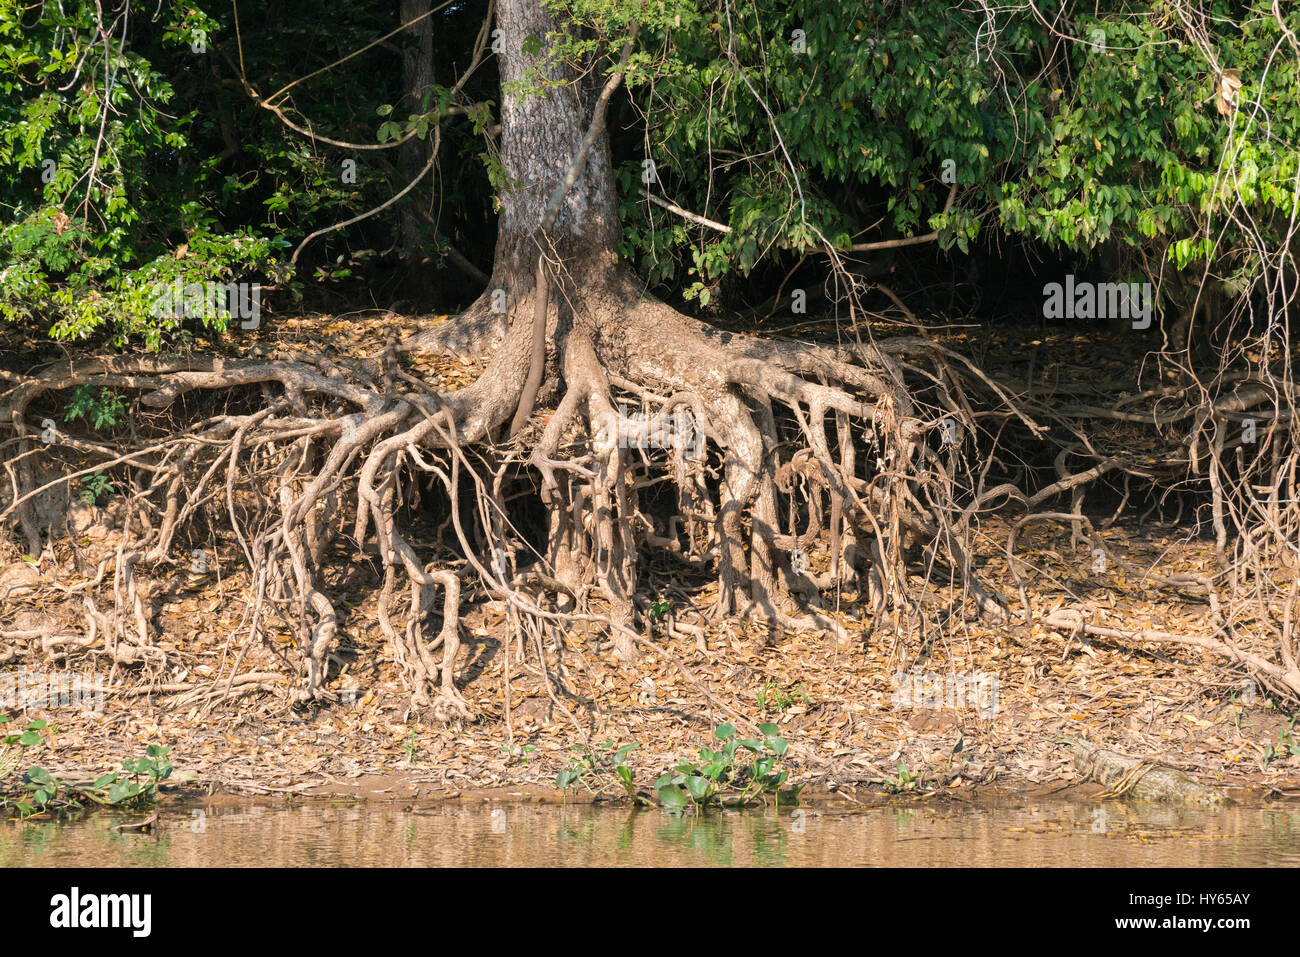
[
  {"x": 729, "y": 453},
  {"x": 654, "y": 435}
]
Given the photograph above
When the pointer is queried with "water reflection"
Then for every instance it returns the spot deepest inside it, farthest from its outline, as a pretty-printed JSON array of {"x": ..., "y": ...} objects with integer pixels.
[{"x": 1033, "y": 835}]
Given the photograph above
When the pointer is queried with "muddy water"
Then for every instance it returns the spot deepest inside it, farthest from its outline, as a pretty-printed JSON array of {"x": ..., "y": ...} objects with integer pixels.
[{"x": 1037, "y": 834}]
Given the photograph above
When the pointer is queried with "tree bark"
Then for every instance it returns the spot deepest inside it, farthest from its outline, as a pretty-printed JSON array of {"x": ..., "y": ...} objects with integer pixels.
[{"x": 540, "y": 132}]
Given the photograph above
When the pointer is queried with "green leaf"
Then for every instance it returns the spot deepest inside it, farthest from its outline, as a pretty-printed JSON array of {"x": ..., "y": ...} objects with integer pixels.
[
  {"x": 699, "y": 787},
  {"x": 624, "y": 751},
  {"x": 29, "y": 739},
  {"x": 769, "y": 729},
  {"x": 671, "y": 796},
  {"x": 122, "y": 791},
  {"x": 724, "y": 731}
]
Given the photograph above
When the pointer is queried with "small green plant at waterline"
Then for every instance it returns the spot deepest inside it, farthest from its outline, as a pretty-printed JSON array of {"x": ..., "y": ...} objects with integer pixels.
[
  {"x": 739, "y": 771},
  {"x": 515, "y": 752},
  {"x": 133, "y": 788},
  {"x": 908, "y": 781},
  {"x": 1287, "y": 745},
  {"x": 600, "y": 768},
  {"x": 728, "y": 777},
  {"x": 1287, "y": 740},
  {"x": 37, "y": 788},
  {"x": 39, "y": 792}
]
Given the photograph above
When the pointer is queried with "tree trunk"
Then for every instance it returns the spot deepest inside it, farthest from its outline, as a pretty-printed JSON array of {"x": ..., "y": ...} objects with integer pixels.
[
  {"x": 542, "y": 128},
  {"x": 540, "y": 134}
]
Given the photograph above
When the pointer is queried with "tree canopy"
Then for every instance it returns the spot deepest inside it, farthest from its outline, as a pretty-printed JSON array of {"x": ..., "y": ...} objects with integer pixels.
[{"x": 204, "y": 142}]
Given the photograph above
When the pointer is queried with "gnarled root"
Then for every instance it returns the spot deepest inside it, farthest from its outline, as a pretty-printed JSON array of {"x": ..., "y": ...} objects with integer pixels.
[{"x": 726, "y": 454}]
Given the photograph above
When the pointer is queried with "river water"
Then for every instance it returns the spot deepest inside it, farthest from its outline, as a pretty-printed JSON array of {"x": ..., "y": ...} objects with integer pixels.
[{"x": 1045, "y": 833}]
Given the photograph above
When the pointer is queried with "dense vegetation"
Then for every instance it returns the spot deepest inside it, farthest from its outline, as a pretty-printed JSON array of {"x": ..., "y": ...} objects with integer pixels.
[{"x": 149, "y": 145}]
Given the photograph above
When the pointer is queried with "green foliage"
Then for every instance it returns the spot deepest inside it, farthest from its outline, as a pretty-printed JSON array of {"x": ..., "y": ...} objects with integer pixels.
[
  {"x": 660, "y": 607},
  {"x": 14, "y": 745},
  {"x": 39, "y": 792},
  {"x": 907, "y": 781},
  {"x": 96, "y": 487},
  {"x": 98, "y": 169},
  {"x": 772, "y": 697},
  {"x": 1287, "y": 745},
  {"x": 1103, "y": 129},
  {"x": 138, "y": 161},
  {"x": 517, "y": 753},
  {"x": 728, "y": 777},
  {"x": 102, "y": 408},
  {"x": 136, "y": 785},
  {"x": 809, "y": 133},
  {"x": 410, "y": 750},
  {"x": 725, "y": 776},
  {"x": 1141, "y": 150},
  {"x": 599, "y": 768}
]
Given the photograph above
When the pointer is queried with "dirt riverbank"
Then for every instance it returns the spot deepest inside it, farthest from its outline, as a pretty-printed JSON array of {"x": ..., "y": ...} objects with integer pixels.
[
  {"x": 968, "y": 707},
  {"x": 855, "y": 729}
]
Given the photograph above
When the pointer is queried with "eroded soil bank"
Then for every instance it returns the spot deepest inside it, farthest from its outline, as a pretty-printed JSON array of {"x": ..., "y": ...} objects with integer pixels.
[
  {"x": 981, "y": 709},
  {"x": 855, "y": 733},
  {"x": 864, "y": 716}
]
